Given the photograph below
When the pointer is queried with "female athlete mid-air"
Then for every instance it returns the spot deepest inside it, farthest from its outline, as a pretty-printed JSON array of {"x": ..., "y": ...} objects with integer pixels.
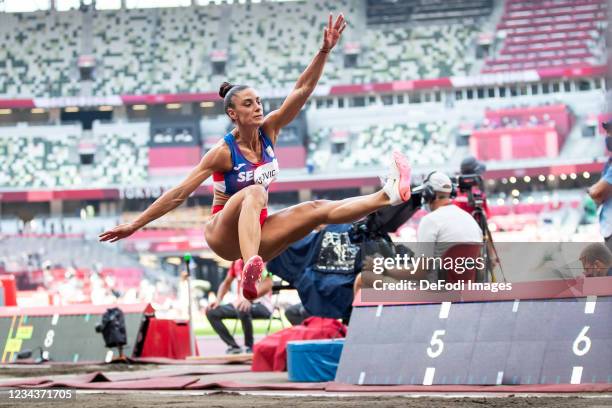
[{"x": 243, "y": 165}]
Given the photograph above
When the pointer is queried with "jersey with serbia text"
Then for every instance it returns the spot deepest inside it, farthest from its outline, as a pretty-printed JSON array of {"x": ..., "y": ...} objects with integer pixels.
[{"x": 245, "y": 173}]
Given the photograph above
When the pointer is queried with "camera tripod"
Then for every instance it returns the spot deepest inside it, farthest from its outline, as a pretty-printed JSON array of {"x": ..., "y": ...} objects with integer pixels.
[{"x": 488, "y": 246}]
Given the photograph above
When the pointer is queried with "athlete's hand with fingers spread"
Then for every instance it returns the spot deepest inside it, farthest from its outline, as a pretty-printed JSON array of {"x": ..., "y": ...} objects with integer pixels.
[
  {"x": 332, "y": 33},
  {"x": 119, "y": 232}
]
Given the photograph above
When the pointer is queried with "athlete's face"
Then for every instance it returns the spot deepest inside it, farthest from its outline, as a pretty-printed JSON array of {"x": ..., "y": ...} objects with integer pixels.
[{"x": 247, "y": 110}]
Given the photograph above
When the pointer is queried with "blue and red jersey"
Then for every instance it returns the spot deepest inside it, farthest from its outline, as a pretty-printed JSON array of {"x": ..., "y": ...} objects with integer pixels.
[{"x": 245, "y": 173}]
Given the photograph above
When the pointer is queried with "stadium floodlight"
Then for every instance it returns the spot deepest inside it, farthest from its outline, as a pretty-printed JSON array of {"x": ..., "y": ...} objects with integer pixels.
[
  {"x": 139, "y": 107},
  {"x": 586, "y": 174},
  {"x": 515, "y": 193},
  {"x": 207, "y": 104},
  {"x": 37, "y": 110},
  {"x": 5, "y": 111},
  {"x": 72, "y": 109},
  {"x": 527, "y": 179},
  {"x": 173, "y": 106},
  {"x": 573, "y": 176},
  {"x": 551, "y": 177},
  {"x": 105, "y": 108},
  {"x": 563, "y": 176},
  {"x": 512, "y": 180},
  {"x": 542, "y": 177}
]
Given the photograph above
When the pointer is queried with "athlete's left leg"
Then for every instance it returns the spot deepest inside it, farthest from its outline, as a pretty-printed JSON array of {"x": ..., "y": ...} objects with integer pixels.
[
  {"x": 287, "y": 226},
  {"x": 292, "y": 224}
]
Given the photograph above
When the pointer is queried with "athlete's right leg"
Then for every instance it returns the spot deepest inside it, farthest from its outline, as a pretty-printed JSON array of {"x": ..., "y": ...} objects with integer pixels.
[{"x": 238, "y": 222}]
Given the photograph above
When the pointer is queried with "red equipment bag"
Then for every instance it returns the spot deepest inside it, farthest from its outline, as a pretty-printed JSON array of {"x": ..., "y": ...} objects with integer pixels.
[{"x": 270, "y": 354}]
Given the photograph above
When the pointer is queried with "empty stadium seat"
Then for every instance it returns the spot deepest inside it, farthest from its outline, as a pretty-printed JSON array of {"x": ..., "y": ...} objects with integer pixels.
[{"x": 550, "y": 34}]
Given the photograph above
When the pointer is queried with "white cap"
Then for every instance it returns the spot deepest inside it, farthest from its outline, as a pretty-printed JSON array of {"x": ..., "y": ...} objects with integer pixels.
[{"x": 440, "y": 182}]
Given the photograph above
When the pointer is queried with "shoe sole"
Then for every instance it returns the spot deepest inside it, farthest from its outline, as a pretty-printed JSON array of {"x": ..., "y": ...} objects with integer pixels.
[
  {"x": 250, "y": 276},
  {"x": 405, "y": 172}
]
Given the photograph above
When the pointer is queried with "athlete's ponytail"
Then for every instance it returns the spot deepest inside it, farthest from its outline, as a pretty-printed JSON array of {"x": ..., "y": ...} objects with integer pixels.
[
  {"x": 227, "y": 92},
  {"x": 224, "y": 89}
]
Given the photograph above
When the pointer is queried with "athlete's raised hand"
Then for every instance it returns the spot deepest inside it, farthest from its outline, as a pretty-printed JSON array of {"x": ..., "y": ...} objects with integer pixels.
[
  {"x": 332, "y": 33},
  {"x": 119, "y": 232}
]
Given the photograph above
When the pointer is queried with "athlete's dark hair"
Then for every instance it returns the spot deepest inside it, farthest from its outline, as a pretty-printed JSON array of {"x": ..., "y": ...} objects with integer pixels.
[{"x": 227, "y": 92}]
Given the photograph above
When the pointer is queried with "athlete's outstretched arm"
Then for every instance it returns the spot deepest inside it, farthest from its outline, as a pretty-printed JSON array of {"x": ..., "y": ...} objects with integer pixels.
[
  {"x": 172, "y": 198},
  {"x": 306, "y": 83}
]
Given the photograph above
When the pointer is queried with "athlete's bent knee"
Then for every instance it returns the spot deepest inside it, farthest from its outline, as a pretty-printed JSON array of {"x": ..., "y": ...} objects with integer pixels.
[
  {"x": 318, "y": 204},
  {"x": 256, "y": 195},
  {"x": 318, "y": 208}
]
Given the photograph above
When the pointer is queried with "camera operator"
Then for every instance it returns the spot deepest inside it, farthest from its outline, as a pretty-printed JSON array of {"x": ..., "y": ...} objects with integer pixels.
[
  {"x": 444, "y": 227},
  {"x": 470, "y": 183}
]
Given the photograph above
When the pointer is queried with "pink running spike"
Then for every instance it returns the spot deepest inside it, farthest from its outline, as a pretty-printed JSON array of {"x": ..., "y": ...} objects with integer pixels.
[
  {"x": 250, "y": 276},
  {"x": 405, "y": 173}
]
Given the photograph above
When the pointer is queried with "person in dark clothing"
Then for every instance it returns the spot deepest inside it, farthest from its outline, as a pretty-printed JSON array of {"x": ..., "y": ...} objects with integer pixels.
[{"x": 241, "y": 308}]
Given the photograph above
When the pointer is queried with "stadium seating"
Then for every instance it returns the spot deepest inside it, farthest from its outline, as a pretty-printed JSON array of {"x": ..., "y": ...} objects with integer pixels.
[
  {"x": 121, "y": 143},
  {"x": 425, "y": 143},
  {"x": 403, "y": 11},
  {"x": 550, "y": 34},
  {"x": 385, "y": 53},
  {"x": 41, "y": 58},
  {"x": 48, "y": 156},
  {"x": 63, "y": 252},
  {"x": 154, "y": 50},
  {"x": 39, "y": 156},
  {"x": 170, "y": 50}
]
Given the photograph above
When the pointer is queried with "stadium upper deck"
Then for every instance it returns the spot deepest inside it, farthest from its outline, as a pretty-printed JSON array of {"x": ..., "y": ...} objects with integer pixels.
[{"x": 192, "y": 49}]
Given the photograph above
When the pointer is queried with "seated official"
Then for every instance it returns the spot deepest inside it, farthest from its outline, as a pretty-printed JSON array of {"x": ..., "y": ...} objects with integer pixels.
[
  {"x": 596, "y": 260},
  {"x": 241, "y": 308}
]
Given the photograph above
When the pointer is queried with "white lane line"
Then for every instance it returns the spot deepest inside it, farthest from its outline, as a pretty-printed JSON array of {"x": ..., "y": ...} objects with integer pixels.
[
  {"x": 500, "y": 377},
  {"x": 444, "y": 310},
  {"x": 429, "y": 376},
  {"x": 379, "y": 310},
  {"x": 576, "y": 375},
  {"x": 361, "y": 378},
  {"x": 589, "y": 307}
]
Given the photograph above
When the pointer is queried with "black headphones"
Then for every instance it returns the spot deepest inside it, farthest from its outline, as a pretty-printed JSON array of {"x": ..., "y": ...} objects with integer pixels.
[{"x": 428, "y": 193}]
